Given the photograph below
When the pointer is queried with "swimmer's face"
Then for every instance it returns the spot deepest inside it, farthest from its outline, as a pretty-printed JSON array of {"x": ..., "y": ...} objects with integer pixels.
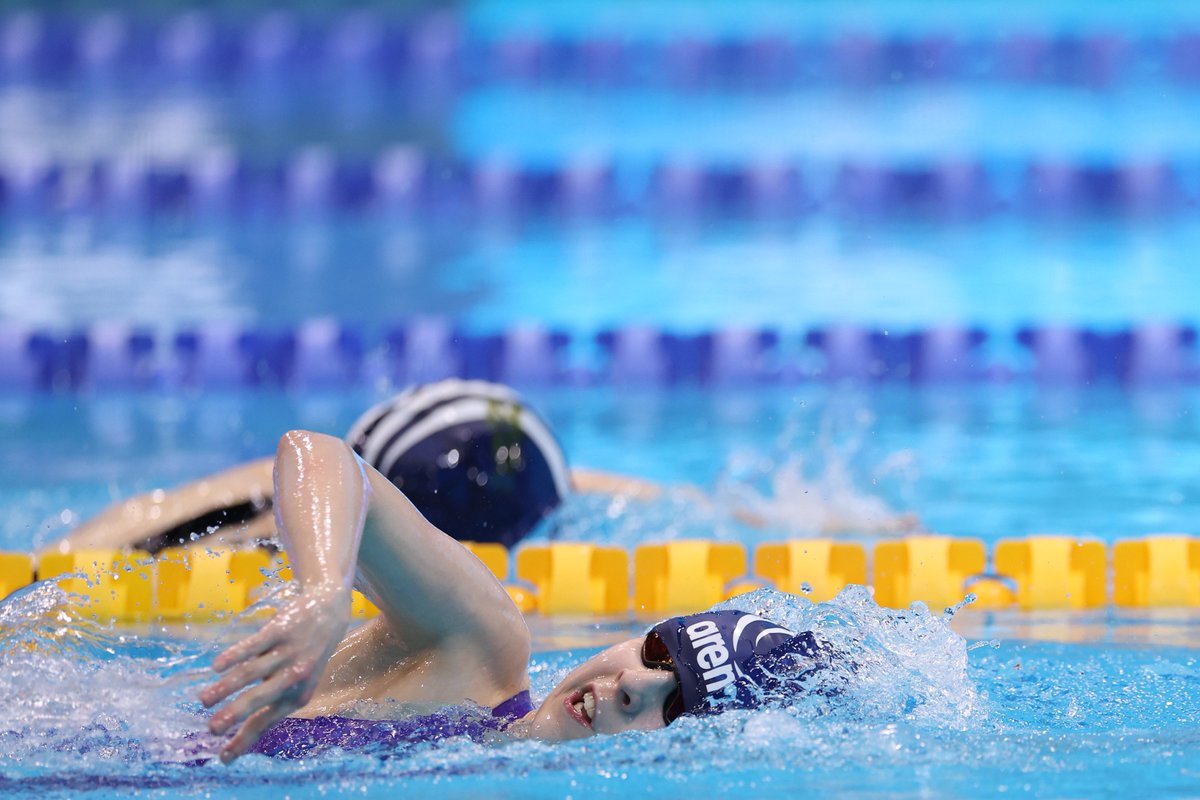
[{"x": 611, "y": 692}]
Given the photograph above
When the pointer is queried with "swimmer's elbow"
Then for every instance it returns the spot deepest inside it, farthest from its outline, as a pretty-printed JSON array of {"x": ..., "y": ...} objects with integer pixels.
[
  {"x": 306, "y": 453},
  {"x": 299, "y": 440}
]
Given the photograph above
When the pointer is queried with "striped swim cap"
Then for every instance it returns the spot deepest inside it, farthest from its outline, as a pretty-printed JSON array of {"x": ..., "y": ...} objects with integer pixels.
[{"x": 470, "y": 455}]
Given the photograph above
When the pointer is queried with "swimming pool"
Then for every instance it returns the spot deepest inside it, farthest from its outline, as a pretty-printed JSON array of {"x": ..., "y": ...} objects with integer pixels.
[
  {"x": 1066, "y": 704},
  {"x": 883, "y": 168},
  {"x": 1042, "y": 704}
]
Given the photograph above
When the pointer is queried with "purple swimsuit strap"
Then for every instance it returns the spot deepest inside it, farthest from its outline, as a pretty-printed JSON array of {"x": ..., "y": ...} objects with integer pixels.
[{"x": 514, "y": 707}]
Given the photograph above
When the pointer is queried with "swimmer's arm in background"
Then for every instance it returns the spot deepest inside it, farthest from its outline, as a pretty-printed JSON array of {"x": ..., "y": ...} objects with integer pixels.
[
  {"x": 592, "y": 481},
  {"x": 589, "y": 481},
  {"x": 337, "y": 517},
  {"x": 596, "y": 481},
  {"x": 130, "y": 522}
]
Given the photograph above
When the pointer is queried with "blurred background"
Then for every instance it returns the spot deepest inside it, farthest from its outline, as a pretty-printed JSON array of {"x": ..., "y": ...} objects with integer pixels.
[{"x": 836, "y": 261}]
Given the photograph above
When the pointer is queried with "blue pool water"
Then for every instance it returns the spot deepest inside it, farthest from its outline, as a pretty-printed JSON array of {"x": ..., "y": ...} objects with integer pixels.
[
  {"x": 676, "y": 18},
  {"x": 999, "y": 273},
  {"x": 829, "y": 125}
]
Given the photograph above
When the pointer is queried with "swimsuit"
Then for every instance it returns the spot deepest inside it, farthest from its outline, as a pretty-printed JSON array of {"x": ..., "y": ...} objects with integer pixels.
[
  {"x": 186, "y": 533},
  {"x": 296, "y": 737}
]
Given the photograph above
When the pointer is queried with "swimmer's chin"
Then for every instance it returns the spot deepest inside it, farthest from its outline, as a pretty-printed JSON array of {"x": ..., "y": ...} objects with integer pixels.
[
  {"x": 523, "y": 727},
  {"x": 545, "y": 725},
  {"x": 527, "y": 728}
]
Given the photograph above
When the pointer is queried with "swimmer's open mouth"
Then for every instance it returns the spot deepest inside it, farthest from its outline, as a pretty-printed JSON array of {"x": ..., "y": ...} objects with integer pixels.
[{"x": 581, "y": 705}]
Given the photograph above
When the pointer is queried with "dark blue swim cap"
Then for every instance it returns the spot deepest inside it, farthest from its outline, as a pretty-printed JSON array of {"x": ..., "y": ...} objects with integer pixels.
[
  {"x": 731, "y": 659},
  {"x": 473, "y": 458}
]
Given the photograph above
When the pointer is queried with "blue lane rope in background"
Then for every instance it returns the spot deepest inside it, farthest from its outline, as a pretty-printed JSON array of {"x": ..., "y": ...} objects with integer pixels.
[
  {"x": 409, "y": 181},
  {"x": 326, "y": 352},
  {"x": 198, "y": 45}
]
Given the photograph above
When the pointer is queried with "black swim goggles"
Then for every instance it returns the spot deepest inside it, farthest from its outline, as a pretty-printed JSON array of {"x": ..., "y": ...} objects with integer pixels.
[{"x": 655, "y": 655}]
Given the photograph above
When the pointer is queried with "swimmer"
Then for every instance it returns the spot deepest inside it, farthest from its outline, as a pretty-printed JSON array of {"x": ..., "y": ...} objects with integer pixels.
[
  {"x": 477, "y": 461},
  {"x": 448, "y": 634},
  {"x": 472, "y": 456}
]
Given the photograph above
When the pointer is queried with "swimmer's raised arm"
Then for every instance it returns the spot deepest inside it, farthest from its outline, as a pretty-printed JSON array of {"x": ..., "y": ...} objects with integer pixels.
[
  {"x": 321, "y": 519},
  {"x": 339, "y": 517}
]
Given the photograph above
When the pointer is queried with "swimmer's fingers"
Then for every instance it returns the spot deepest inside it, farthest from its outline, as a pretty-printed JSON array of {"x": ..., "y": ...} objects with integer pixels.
[
  {"x": 249, "y": 733},
  {"x": 248, "y": 648},
  {"x": 290, "y": 688},
  {"x": 242, "y": 675}
]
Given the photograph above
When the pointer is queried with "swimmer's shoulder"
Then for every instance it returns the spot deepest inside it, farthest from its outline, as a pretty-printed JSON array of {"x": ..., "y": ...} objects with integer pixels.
[{"x": 375, "y": 664}]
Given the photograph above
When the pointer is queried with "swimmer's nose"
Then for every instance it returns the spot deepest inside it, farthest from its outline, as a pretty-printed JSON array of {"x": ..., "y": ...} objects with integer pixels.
[{"x": 641, "y": 689}]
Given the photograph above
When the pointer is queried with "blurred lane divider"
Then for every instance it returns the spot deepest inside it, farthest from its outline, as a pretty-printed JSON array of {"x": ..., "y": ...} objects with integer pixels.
[
  {"x": 1054, "y": 571},
  {"x": 683, "y": 576},
  {"x": 933, "y": 569},
  {"x": 815, "y": 568},
  {"x": 1158, "y": 570},
  {"x": 570, "y": 578}
]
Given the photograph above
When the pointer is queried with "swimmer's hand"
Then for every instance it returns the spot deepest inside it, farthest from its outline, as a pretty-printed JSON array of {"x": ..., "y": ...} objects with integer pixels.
[{"x": 285, "y": 659}]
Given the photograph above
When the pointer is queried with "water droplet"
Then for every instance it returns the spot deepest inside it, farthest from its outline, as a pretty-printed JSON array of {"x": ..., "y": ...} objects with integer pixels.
[{"x": 805, "y": 587}]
